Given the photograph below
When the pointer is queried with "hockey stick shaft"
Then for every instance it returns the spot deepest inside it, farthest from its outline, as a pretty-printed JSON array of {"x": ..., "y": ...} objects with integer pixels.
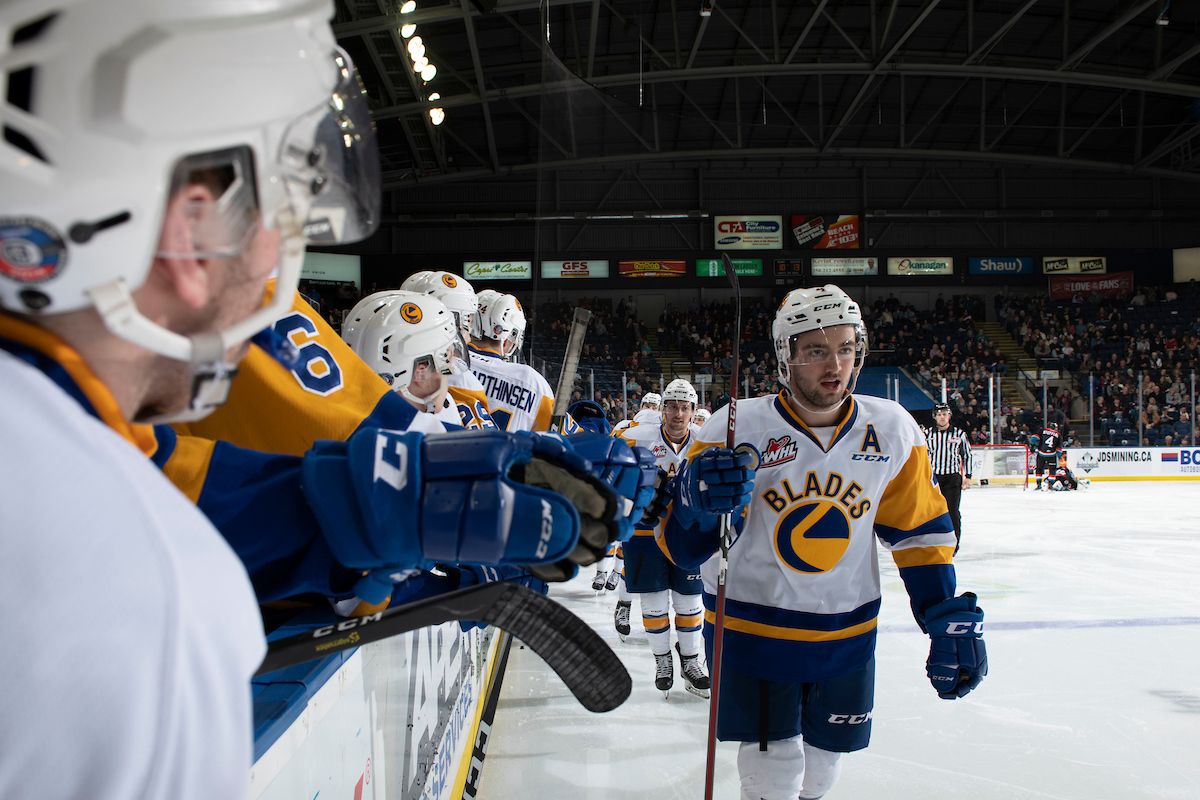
[
  {"x": 576, "y": 653},
  {"x": 570, "y": 366},
  {"x": 726, "y": 531}
]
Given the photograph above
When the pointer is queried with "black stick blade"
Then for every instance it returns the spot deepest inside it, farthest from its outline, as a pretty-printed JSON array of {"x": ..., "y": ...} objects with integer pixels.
[{"x": 576, "y": 653}]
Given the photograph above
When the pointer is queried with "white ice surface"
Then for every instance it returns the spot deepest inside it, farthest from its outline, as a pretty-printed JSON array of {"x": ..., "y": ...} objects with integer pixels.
[{"x": 1093, "y": 633}]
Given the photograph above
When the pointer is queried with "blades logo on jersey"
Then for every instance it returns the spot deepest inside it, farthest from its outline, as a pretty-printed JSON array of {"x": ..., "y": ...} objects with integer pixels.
[
  {"x": 812, "y": 536},
  {"x": 779, "y": 451}
]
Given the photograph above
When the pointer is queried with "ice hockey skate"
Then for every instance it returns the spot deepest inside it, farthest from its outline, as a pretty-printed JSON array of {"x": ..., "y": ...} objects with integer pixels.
[
  {"x": 664, "y": 674},
  {"x": 695, "y": 679},
  {"x": 598, "y": 582},
  {"x": 613, "y": 580},
  {"x": 621, "y": 619}
]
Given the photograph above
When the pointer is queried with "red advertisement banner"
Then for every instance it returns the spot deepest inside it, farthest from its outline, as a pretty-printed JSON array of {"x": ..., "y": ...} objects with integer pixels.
[
  {"x": 1116, "y": 284},
  {"x": 652, "y": 268},
  {"x": 827, "y": 231}
]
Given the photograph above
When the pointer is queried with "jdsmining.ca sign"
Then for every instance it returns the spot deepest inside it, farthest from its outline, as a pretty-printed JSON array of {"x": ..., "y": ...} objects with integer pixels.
[{"x": 1135, "y": 463}]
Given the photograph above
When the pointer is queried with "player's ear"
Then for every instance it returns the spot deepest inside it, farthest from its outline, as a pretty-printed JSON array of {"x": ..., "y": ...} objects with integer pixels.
[{"x": 177, "y": 266}]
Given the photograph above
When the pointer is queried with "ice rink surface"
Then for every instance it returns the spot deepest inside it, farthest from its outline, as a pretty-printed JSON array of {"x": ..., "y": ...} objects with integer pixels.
[{"x": 1093, "y": 634}]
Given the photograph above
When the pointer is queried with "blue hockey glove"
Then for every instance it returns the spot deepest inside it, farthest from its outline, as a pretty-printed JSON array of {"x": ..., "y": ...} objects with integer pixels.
[
  {"x": 590, "y": 416},
  {"x": 393, "y": 501},
  {"x": 718, "y": 481},
  {"x": 629, "y": 471},
  {"x": 957, "y": 656}
]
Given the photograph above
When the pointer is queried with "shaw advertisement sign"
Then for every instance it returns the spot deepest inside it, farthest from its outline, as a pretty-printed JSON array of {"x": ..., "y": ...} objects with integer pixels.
[
  {"x": 652, "y": 268},
  {"x": 497, "y": 270},
  {"x": 827, "y": 231},
  {"x": 575, "y": 269},
  {"x": 1060, "y": 265},
  {"x": 1000, "y": 265},
  {"x": 748, "y": 232},
  {"x": 921, "y": 265},
  {"x": 1064, "y": 287}
]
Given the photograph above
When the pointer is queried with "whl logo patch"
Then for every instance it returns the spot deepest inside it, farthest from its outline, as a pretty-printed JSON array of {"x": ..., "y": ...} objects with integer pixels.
[{"x": 778, "y": 451}]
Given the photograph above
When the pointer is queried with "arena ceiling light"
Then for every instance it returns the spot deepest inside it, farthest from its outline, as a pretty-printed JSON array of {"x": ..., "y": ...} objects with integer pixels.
[{"x": 407, "y": 30}]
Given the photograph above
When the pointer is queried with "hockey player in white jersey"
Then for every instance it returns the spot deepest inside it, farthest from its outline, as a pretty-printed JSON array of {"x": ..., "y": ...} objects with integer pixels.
[
  {"x": 519, "y": 398},
  {"x": 660, "y": 584},
  {"x": 649, "y": 413},
  {"x": 459, "y": 297},
  {"x": 837, "y": 474},
  {"x": 410, "y": 342},
  {"x": 702, "y": 415}
]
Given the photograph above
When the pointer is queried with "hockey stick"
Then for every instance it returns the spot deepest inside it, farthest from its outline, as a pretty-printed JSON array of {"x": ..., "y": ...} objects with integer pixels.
[
  {"x": 576, "y": 653},
  {"x": 570, "y": 366},
  {"x": 710, "y": 761}
]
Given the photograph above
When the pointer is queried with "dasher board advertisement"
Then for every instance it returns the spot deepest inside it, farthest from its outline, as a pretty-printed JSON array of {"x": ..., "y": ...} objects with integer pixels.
[
  {"x": 840, "y": 267},
  {"x": 827, "y": 231},
  {"x": 1073, "y": 265},
  {"x": 497, "y": 270},
  {"x": 748, "y": 232},
  {"x": 715, "y": 267},
  {"x": 652, "y": 268},
  {"x": 591, "y": 268},
  {"x": 921, "y": 265}
]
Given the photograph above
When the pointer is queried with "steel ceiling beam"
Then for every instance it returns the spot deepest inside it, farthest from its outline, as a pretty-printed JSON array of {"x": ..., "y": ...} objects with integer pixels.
[
  {"x": 1077, "y": 57},
  {"x": 477, "y": 66},
  {"x": 1026, "y": 74},
  {"x": 853, "y": 155}
]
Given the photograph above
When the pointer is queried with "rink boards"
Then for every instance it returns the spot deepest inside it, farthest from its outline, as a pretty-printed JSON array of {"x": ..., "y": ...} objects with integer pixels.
[
  {"x": 399, "y": 719},
  {"x": 1135, "y": 463}
]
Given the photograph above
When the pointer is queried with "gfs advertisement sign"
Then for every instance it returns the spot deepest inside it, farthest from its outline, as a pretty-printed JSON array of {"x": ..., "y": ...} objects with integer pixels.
[
  {"x": 921, "y": 265},
  {"x": 748, "y": 233},
  {"x": 575, "y": 269},
  {"x": 652, "y": 268}
]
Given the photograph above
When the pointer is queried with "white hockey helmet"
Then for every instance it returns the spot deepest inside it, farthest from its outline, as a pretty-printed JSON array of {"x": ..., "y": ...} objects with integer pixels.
[
  {"x": 107, "y": 116},
  {"x": 409, "y": 329},
  {"x": 804, "y": 310},
  {"x": 483, "y": 299},
  {"x": 455, "y": 292},
  {"x": 369, "y": 306},
  {"x": 651, "y": 400},
  {"x": 503, "y": 320},
  {"x": 701, "y": 416},
  {"x": 416, "y": 281},
  {"x": 679, "y": 389},
  {"x": 113, "y": 105}
]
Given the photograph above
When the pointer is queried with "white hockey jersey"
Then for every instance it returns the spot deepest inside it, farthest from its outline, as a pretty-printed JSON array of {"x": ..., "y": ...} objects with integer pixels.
[
  {"x": 519, "y": 398},
  {"x": 647, "y": 416},
  {"x": 668, "y": 456},
  {"x": 803, "y": 589}
]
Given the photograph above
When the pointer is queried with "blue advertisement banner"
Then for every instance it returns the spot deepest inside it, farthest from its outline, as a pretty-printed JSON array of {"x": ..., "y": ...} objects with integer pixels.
[{"x": 1000, "y": 265}]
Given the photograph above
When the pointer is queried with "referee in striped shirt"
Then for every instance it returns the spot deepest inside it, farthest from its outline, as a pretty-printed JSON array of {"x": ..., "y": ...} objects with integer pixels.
[{"x": 950, "y": 457}]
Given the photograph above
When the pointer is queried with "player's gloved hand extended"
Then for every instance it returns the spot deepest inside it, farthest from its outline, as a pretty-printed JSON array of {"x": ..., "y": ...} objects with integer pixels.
[
  {"x": 393, "y": 500},
  {"x": 629, "y": 471},
  {"x": 957, "y": 656},
  {"x": 717, "y": 481}
]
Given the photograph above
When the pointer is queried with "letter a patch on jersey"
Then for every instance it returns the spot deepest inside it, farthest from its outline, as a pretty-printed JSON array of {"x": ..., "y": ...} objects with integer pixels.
[{"x": 871, "y": 440}]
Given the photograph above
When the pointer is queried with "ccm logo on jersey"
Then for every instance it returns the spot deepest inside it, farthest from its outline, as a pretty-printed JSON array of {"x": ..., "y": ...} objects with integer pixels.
[
  {"x": 963, "y": 628},
  {"x": 869, "y": 457},
  {"x": 849, "y": 719},
  {"x": 778, "y": 451},
  {"x": 543, "y": 546}
]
